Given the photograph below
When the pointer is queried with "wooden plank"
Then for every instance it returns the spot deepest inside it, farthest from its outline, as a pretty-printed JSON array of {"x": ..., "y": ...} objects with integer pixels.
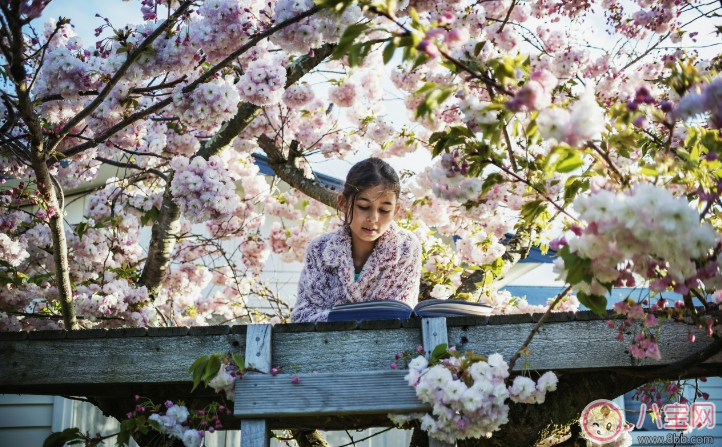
[
  {"x": 256, "y": 432},
  {"x": 434, "y": 333},
  {"x": 258, "y": 347},
  {"x": 107, "y": 360},
  {"x": 77, "y": 366},
  {"x": 368, "y": 392},
  {"x": 557, "y": 345},
  {"x": 338, "y": 351}
]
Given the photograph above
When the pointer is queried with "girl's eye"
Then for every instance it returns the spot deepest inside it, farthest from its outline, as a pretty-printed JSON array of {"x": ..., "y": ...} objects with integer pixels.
[
  {"x": 363, "y": 207},
  {"x": 385, "y": 211}
]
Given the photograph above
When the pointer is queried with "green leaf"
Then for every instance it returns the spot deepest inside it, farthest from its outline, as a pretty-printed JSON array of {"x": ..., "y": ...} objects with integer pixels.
[
  {"x": 478, "y": 47},
  {"x": 569, "y": 163},
  {"x": 212, "y": 368},
  {"x": 346, "y": 41},
  {"x": 421, "y": 60},
  {"x": 579, "y": 271},
  {"x": 197, "y": 369},
  {"x": 429, "y": 86},
  {"x": 595, "y": 303},
  {"x": 80, "y": 229},
  {"x": 492, "y": 179},
  {"x": 651, "y": 172},
  {"x": 59, "y": 439},
  {"x": 439, "y": 351},
  {"x": 126, "y": 430},
  {"x": 389, "y": 50},
  {"x": 150, "y": 216},
  {"x": 155, "y": 425},
  {"x": 239, "y": 361},
  {"x": 532, "y": 209}
]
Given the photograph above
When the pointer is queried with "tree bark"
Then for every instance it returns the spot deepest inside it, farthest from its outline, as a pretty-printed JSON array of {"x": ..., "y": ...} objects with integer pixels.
[
  {"x": 38, "y": 156},
  {"x": 166, "y": 227},
  {"x": 165, "y": 230},
  {"x": 308, "y": 438},
  {"x": 287, "y": 171}
]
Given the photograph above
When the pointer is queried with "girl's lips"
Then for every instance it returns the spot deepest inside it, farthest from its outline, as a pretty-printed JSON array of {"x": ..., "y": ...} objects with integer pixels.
[{"x": 369, "y": 231}]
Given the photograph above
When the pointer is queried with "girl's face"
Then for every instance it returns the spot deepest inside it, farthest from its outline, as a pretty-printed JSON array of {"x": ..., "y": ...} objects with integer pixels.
[{"x": 373, "y": 212}]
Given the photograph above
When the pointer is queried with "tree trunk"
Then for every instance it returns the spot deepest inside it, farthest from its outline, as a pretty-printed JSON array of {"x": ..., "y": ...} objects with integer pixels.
[
  {"x": 308, "y": 438},
  {"x": 166, "y": 229},
  {"x": 38, "y": 156}
]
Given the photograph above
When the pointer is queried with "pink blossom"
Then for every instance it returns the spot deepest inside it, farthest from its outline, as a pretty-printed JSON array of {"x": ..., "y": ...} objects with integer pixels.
[
  {"x": 650, "y": 321},
  {"x": 636, "y": 312}
]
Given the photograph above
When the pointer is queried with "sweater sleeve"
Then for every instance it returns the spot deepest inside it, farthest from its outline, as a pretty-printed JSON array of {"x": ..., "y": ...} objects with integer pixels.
[
  {"x": 312, "y": 304},
  {"x": 402, "y": 281}
]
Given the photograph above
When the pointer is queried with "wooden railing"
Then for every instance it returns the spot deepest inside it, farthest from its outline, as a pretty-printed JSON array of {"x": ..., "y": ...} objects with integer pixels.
[{"x": 116, "y": 364}]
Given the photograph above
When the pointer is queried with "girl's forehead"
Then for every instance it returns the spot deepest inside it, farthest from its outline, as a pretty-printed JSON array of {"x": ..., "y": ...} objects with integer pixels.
[{"x": 380, "y": 192}]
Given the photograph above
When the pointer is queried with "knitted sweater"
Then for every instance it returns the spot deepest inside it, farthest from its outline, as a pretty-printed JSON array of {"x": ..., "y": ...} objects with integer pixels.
[{"x": 392, "y": 272}]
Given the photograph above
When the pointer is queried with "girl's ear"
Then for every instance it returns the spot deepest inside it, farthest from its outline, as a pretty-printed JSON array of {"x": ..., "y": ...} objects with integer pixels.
[
  {"x": 341, "y": 199},
  {"x": 398, "y": 207}
]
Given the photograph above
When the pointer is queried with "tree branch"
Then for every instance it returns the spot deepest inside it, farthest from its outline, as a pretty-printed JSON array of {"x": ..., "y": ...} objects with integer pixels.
[
  {"x": 132, "y": 166},
  {"x": 122, "y": 70},
  {"x": 536, "y": 328},
  {"x": 294, "y": 176},
  {"x": 166, "y": 228}
]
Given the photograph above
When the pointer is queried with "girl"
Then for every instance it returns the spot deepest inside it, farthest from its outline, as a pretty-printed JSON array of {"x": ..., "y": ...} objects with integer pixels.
[{"x": 369, "y": 257}]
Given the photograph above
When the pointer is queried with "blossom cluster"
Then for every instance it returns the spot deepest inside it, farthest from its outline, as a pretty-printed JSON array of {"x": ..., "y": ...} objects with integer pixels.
[
  {"x": 696, "y": 102},
  {"x": 536, "y": 94},
  {"x": 208, "y": 105},
  {"x": 645, "y": 231},
  {"x": 450, "y": 180},
  {"x": 203, "y": 189},
  {"x": 12, "y": 251},
  {"x": 263, "y": 82},
  {"x": 583, "y": 121},
  {"x": 307, "y": 34},
  {"x": 175, "y": 420},
  {"x": 480, "y": 248},
  {"x": 223, "y": 26},
  {"x": 468, "y": 394}
]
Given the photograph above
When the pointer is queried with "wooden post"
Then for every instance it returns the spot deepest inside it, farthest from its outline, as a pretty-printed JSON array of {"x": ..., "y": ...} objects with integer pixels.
[
  {"x": 255, "y": 432},
  {"x": 433, "y": 333}
]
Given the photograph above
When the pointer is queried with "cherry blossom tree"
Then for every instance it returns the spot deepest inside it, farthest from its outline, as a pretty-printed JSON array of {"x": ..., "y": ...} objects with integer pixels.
[{"x": 588, "y": 127}]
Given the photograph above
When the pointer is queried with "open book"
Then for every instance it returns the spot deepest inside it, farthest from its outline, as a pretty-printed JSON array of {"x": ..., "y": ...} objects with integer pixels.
[{"x": 392, "y": 309}]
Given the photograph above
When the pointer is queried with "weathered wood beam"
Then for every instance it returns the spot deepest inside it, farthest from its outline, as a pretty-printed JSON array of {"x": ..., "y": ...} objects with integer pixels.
[
  {"x": 329, "y": 394},
  {"x": 107, "y": 363},
  {"x": 256, "y": 432}
]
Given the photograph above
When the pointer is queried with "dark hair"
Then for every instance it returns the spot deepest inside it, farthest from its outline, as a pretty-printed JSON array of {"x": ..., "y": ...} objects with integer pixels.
[{"x": 368, "y": 174}]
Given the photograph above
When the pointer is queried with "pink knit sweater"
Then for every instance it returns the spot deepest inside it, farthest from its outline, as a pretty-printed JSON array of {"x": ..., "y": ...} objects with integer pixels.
[{"x": 392, "y": 272}]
